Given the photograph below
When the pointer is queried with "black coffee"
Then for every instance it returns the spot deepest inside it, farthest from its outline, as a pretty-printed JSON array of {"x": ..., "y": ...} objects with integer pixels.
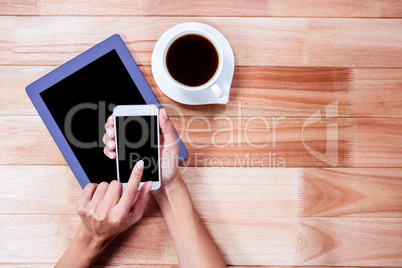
[{"x": 192, "y": 60}]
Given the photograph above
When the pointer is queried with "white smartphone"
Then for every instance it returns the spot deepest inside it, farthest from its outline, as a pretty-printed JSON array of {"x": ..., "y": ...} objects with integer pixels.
[{"x": 137, "y": 138}]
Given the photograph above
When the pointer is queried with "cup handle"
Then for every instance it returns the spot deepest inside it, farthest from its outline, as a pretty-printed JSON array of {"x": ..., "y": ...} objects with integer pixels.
[{"x": 217, "y": 90}]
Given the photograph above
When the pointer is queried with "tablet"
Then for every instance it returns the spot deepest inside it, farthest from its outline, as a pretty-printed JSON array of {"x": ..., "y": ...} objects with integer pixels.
[{"x": 75, "y": 100}]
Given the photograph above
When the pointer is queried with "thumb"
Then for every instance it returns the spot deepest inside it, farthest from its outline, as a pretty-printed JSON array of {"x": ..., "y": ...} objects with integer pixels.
[{"x": 168, "y": 133}]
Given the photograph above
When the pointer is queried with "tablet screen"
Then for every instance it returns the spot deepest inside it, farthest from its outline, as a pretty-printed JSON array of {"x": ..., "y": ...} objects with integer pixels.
[{"x": 80, "y": 105}]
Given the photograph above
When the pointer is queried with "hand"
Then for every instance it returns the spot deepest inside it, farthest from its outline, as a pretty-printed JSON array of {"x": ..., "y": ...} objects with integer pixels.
[
  {"x": 104, "y": 214},
  {"x": 169, "y": 148}
]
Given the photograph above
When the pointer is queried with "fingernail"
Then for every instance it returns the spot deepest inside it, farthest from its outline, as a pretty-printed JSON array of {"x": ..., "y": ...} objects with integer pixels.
[
  {"x": 109, "y": 144},
  {"x": 140, "y": 164},
  {"x": 150, "y": 187},
  {"x": 165, "y": 114},
  {"x": 110, "y": 154},
  {"x": 108, "y": 130}
]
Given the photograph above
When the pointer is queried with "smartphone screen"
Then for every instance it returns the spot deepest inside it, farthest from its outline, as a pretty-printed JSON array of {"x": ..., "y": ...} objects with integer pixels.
[{"x": 137, "y": 139}]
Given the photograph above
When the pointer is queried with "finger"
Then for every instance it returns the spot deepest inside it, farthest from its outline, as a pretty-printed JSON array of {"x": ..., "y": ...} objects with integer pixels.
[
  {"x": 100, "y": 193},
  {"x": 105, "y": 138},
  {"x": 168, "y": 134},
  {"x": 111, "y": 144},
  {"x": 110, "y": 132},
  {"x": 113, "y": 193},
  {"x": 109, "y": 122},
  {"x": 131, "y": 190},
  {"x": 109, "y": 153},
  {"x": 137, "y": 210},
  {"x": 87, "y": 194}
]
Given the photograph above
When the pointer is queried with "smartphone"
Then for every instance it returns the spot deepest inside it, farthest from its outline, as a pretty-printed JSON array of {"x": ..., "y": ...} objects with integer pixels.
[{"x": 137, "y": 138}]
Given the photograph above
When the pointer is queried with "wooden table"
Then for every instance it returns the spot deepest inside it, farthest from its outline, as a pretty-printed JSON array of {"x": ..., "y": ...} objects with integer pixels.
[{"x": 303, "y": 166}]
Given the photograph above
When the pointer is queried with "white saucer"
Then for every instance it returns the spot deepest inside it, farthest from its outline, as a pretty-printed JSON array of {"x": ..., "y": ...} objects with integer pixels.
[{"x": 193, "y": 97}]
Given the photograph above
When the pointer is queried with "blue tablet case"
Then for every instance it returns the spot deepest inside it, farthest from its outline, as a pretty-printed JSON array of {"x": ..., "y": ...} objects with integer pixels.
[{"x": 34, "y": 90}]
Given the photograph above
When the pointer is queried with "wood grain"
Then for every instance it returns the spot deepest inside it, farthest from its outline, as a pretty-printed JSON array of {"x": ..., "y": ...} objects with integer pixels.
[
  {"x": 45, "y": 265},
  {"x": 28, "y": 143},
  {"x": 277, "y": 8},
  {"x": 296, "y": 62},
  {"x": 256, "y": 144},
  {"x": 43, "y": 238},
  {"x": 32, "y": 238},
  {"x": 217, "y": 142},
  {"x": 353, "y": 241},
  {"x": 54, "y": 190},
  {"x": 262, "y": 91},
  {"x": 352, "y": 192},
  {"x": 45, "y": 190},
  {"x": 251, "y": 241},
  {"x": 265, "y": 91},
  {"x": 346, "y": 42},
  {"x": 333, "y": 192},
  {"x": 376, "y": 92},
  {"x": 148, "y": 242},
  {"x": 376, "y": 142},
  {"x": 211, "y": 142},
  {"x": 291, "y": 41}
]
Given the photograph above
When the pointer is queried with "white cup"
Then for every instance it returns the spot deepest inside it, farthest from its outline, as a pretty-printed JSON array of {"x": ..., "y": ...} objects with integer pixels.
[
  {"x": 212, "y": 81},
  {"x": 217, "y": 89}
]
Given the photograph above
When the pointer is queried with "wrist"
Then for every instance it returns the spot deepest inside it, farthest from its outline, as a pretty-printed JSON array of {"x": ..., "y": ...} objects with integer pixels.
[
  {"x": 84, "y": 237},
  {"x": 89, "y": 245},
  {"x": 83, "y": 250},
  {"x": 165, "y": 190},
  {"x": 174, "y": 200}
]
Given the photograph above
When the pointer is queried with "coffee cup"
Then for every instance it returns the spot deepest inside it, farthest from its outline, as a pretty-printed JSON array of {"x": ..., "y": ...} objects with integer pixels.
[{"x": 193, "y": 63}]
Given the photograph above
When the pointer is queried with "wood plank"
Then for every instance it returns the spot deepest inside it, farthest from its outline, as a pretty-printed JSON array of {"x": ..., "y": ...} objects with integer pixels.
[
  {"x": 255, "y": 142},
  {"x": 28, "y": 138},
  {"x": 334, "y": 192},
  {"x": 383, "y": 136},
  {"x": 244, "y": 241},
  {"x": 148, "y": 242},
  {"x": 276, "y": 8},
  {"x": 28, "y": 265},
  {"x": 263, "y": 142},
  {"x": 254, "y": 241},
  {"x": 292, "y": 41},
  {"x": 47, "y": 190},
  {"x": 352, "y": 192},
  {"x": 13, "y": 82},
  {"x": 337, "y": 8},
  {"x": 343, "y": 42},
  {"x": 376, "y": 92},
  {"x": 43, "y": 238},
  {"x": 54, "y": 190},
  {"x": 265, "y": 91},
  {"x": 45, "y": 265},
  {"x": 230, "y": 266},
  {"x": 32, "y": 238},
  {"x": 351, "y": 242}
]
